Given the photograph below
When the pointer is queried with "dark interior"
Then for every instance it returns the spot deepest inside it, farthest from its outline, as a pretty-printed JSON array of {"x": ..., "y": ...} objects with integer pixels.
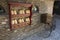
[
  {"x": 56, "y": 9},
  {"x": 2, "y": 10}
]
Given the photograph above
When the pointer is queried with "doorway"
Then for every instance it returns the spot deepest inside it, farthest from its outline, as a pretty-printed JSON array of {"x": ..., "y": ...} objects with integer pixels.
[{"x": 56, "y": 8}]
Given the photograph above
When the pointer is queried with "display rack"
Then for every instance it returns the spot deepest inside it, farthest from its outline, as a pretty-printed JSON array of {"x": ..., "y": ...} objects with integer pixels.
[{"x": 19, "y": 14}]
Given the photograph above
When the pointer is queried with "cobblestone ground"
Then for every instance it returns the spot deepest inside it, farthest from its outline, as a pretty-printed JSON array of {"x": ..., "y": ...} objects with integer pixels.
[
  {"x": 55, "y": 35},
  {"x": 25, "y": 32},
  {"x": 20, "y": 34}
]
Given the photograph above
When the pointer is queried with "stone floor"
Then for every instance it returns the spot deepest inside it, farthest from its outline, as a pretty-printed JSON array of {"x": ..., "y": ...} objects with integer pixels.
[
  {"x": 29, "y": 34},
  {"x": 55, "y": 35}
]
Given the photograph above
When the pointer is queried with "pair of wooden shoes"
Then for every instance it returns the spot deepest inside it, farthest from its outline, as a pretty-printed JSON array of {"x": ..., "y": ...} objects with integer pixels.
[
  {"x": 13, "y": 12},
  {"x": 14, "y": 22}
]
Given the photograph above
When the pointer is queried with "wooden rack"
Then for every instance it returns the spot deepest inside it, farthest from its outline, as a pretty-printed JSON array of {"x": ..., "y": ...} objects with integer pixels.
[{"x": 19, "y": 15}]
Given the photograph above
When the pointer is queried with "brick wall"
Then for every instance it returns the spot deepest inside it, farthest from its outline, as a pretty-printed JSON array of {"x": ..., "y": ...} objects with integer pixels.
[
  {"x": 5, "y": 17},
  {"x": 44, "y": 6}
]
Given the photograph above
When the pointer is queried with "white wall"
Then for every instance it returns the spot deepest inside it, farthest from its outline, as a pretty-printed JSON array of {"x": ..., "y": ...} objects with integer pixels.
[{"x": 49, "y": 4}]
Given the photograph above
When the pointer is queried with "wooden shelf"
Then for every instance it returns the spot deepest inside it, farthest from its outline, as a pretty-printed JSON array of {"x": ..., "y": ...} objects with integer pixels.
[
  {"x": 16, "y": 9},
  {"x": 23, "y": 24},
  {"x": 20, "y": 15},
  {"x": 15, "y": 4}
]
